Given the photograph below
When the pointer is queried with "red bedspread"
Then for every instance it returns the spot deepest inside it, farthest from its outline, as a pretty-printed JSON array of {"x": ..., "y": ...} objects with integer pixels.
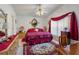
[
  {"x": 6, "y": 44},
  {"x": 38, "y": 37},
  {"x": 2, "y": 34}
]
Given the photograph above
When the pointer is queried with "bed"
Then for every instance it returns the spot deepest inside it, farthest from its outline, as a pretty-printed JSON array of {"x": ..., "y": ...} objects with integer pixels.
[
  {"x": 2, "y": 36},
  {"x": 37, "y": 36},
  {"x": 38, "y": 41},
  {"x": 8, "y": 44}
]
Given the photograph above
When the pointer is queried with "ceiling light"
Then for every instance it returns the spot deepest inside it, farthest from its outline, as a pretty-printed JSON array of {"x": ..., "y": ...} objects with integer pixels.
[{"x": 40, "y": 10}]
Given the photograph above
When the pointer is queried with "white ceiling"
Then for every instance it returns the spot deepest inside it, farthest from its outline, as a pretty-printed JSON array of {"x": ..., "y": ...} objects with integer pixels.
[{"x": 30, "y": 9}]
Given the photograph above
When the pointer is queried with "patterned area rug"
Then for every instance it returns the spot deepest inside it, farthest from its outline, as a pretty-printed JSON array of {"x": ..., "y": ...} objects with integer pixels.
[
  {"x": 41, "y": 49},
  {"x": 44, "y": 48}
]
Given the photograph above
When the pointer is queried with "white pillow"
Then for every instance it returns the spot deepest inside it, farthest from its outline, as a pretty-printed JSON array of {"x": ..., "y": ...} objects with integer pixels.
[
  {"x": 36, "y": 30},
  {"x": 2, "y": 39}
]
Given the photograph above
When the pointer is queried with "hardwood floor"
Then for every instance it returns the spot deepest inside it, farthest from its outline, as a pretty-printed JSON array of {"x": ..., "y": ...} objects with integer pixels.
[{"x": 74, "y": 50}]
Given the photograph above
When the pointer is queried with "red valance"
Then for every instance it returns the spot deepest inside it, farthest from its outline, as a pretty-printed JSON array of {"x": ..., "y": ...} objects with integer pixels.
[{"x": 73, "y": 24}]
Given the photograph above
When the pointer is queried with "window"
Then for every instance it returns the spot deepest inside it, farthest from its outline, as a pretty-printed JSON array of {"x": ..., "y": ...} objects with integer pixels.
[{"x": 58, "y": 26}]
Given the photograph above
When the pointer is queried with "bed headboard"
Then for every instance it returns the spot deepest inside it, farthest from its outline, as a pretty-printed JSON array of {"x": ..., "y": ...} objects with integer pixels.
[{"x": 35, "y": 30}]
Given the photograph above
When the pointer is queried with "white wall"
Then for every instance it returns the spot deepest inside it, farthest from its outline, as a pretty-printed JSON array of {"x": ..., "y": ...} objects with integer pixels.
[
  {"x": 25, "y": 21},
  {"x": 11, "y": 17},
  {"x": 65, "y": 9}
]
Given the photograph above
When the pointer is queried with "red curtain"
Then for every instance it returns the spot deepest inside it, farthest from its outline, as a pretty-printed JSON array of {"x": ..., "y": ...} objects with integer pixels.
[
  {"x": 50, "y": 26},
  {"x": 73, "y": 24},
  {"x": 73, "y": 27}
]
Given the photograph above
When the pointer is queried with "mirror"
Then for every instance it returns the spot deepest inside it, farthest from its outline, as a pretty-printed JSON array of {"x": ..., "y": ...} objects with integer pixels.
[{"x": 3, "y": 24}]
